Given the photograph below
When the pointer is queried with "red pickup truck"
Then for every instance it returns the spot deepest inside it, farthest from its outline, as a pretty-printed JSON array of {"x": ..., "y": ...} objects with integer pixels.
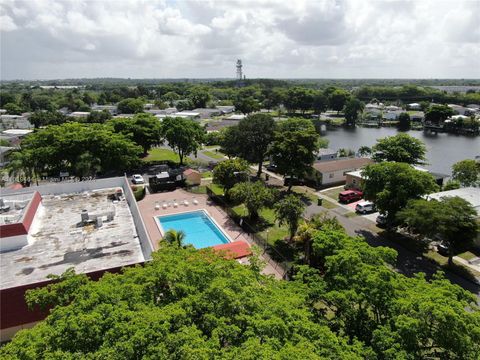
[{"x": 348, "y": 196}]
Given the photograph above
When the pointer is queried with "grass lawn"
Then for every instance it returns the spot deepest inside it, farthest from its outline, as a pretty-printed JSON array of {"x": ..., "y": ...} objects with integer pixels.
[
  {"x": 211, "y": 146},
  {"x": 467, "y": 255},
  {"x": 304, "y": 191},
  {"x": 328, "y": 204},
  {"x": 207, "y": 174},
  {"x": 161, "y": 154},
  {"x": 217, "y": 190},
  {"x": 459, "y": 269},
  {"x": 213, "y": 154},
  {"x": 333, "y": 193},
  {"x": 201, "y": 189}
]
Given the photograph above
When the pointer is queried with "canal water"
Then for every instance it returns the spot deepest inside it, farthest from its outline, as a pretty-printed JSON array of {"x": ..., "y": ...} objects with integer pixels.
[{"x": 443, "y": 150}]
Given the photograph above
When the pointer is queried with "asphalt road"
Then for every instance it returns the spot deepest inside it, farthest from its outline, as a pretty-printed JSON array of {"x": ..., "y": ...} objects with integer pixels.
[{"x": 408, "y": 262}]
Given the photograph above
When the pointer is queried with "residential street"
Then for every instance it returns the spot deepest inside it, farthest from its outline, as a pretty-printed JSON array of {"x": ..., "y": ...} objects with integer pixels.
[{"x": 408, "y": 262}]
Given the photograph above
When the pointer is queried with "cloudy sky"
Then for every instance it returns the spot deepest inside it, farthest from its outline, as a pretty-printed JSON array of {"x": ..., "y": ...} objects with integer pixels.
[{"x": 44, "y": 39}]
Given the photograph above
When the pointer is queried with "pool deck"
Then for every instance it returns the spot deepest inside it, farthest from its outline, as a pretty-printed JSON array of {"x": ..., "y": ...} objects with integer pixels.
[{"x": 149, "y": 213}]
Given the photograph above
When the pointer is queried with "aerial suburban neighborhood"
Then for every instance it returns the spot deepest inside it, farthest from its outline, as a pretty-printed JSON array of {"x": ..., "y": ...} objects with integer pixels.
[{"x": 233, "y": 201}]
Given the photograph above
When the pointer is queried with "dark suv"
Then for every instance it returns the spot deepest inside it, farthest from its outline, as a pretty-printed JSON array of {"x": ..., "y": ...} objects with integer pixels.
[{"x": 348, "y": 196}]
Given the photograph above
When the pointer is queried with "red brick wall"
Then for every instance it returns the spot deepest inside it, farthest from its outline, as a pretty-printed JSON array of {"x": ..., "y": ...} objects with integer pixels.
[{"x": 13, "y": 307}]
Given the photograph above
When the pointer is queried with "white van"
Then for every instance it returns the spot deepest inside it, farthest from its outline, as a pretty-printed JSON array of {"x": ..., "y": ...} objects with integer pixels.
[{"x": 365, "y": 207}]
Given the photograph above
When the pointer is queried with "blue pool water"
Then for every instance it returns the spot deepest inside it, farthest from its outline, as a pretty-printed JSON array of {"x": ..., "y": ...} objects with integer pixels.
[{"x": 199, "y": 229}]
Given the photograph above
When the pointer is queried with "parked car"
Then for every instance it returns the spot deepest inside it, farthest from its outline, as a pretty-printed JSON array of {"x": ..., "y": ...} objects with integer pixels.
[
  {"x": 365, "y": 207},
  {"x": 381, "y": 220},
  {"x": 443, "y": 249},
  {"x": 292, "y": 180},
  {"x": 348, "y": 196},
  {"x": 138, "y": 179},
  {"x": 272, "y": 168}
]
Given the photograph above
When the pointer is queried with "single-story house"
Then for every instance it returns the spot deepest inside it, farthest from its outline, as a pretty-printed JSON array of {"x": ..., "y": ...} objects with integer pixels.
[
  {"x": 15, "y": 122},
  {"x": 206, "y": 113},
  {"x": 235, "y": 117},
  {"x": 354, "y": 179},
  {"x": 418, "y": 116},
  {"x": 166, "y": 111},
  {"x": 414, "y": 106},
  {"x": 333, "y": 172},
  {"x": 112, "y": 109},
  {"x": 192, "y": 177},
  {"x": 392, "y": 115},
  {"x": 392, "y": 108},
  {"x": 470, "y": 194},
  {"x": 187, "y": 114},
  {"x": 81, "y": 114},
  {"x": 326, "y": 154},
  {"x": 226, "y": 109}
]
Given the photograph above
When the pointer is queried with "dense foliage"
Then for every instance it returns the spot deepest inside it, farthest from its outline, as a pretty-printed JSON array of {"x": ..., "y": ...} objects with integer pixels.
[
  {"x": 451, "y": 220},
  {"x": 193, "y": 304},
  {"x": 294, "y": 147},
  {"x": 391, "y": 185},
  {"x": 400, "y": 148},
  {"x": 467, "y": 172},
  {"x": 185, "y": 136},
  {"x": 80, "y": 149}
]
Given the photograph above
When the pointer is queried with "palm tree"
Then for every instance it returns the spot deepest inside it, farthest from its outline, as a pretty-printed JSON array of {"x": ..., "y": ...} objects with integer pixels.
[{"x": 175, "y": 237}]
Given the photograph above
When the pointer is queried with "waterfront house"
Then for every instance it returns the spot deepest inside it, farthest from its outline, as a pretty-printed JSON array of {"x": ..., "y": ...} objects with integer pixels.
[{"x": 328, "y": 173}]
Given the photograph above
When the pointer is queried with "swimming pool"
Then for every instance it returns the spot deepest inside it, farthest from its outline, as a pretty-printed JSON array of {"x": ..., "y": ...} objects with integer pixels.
[{"x": 199, "y": 228}]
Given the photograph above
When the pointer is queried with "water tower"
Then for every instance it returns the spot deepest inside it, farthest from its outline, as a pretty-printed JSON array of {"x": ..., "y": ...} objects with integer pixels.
[{"x": 239, "y": 70}]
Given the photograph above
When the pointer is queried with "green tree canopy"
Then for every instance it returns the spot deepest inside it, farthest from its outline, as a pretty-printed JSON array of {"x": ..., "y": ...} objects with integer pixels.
[
  {"x": 404, "y": 121},
  {"x": 337, "y": 99},
  {"x": 352, "y": 108},
  {"x": 60, "y": 147},
  {"x": 254, "y": 195},
  {"x": 227, "y": 173},
  {"x": 246, "y": 105},
  {"x": 199, "y": 96},
  {"x": 175, "y": 237},
  {"x": 436, "y": 113},
  {"x": 251, "y": 139},
  {"x": 399, "y": 148},
  {"x": 289, "y": 211},
  {"x": 467, "y": 172},
  {"x": 184, "y": 135},
  {"x": 183, "y": 304},
  {"x": 452, "y": 219},
  {"x": 44, "y": 118},
  {"x": 144, "y": 129},
  {"x": 294, "y": 147},
  {"x": 391, "y": 185},
  {"x": 130, "y": 106}
]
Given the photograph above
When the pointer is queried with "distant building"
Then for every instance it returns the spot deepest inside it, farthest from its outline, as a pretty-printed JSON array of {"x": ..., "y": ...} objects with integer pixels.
[
  {"x": 192, "y": 177},
  {"x": 187, "y": 114},
  {"x": 206, "y": 113},
  {"x": 392, "y": 115},
  {"x": 14, "y": 122},
  {"x": 326, "y": 154},
  {"x": 236, "y": 117},
  {"x": 112, "y": 109},
  {"x": 226, "y": 109},
  {"x": 414, "y": 106},
  {"x": 79, "y": 114}
]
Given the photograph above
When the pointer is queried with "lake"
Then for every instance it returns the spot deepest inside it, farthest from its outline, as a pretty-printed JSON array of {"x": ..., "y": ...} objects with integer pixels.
[{"x": 443, "y": 150}]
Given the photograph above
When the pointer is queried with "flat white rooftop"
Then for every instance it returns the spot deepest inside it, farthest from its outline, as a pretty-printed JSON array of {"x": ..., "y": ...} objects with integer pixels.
[
  {"x": 470, "y": 194},
  {"x": 58, "y": 240}
]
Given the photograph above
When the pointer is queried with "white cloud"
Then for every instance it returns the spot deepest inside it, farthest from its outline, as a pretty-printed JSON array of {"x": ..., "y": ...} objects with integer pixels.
[{"x": 197, "y": 38}]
